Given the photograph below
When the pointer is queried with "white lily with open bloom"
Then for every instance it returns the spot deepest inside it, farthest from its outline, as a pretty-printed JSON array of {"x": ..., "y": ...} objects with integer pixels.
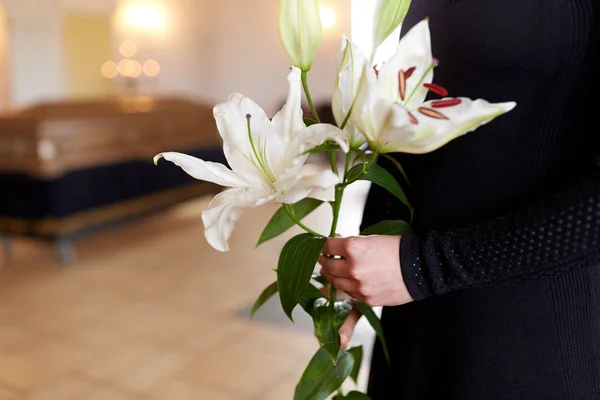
[
  {"x": 267, "y": 159},
  {"x": 390, "y": 108}
]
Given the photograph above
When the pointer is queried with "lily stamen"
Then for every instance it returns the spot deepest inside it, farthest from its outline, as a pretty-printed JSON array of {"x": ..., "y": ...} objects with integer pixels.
[
  {"x": 431, "y": 113},
  {"x": 402, "y": 84},
  {"x": 413, "y": 119},
  {"x": 431, "y": 67},
  {"x": 376, "y": 71},
  {"x": 402, "y": 78},
  {"x": 445, "y": 103},
  {"x": 437, "y": 89}
]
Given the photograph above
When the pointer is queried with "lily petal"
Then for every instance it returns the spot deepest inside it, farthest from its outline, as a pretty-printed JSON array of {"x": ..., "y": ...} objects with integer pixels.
[
  {"x": 312, "y": 181},
  {"x": 317, "y": 134},
  {"x": 392, "y": 122},
  {"x": 225, "y": 209},
  {"x": 438, "y": 126},
  {"x": 351, "y": 63},
  {"x": 289, "y": 120},
  {"x": 414, "y": 51},
  {"x": 365, "y": 98},
  {"x": 203, "y": 170},
  {"x": 288, "y": 124},
  {"x": 233, "y": 127}
]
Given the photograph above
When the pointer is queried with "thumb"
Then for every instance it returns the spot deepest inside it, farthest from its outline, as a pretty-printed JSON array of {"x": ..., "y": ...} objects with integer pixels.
[{"x": 347, "y": 328}]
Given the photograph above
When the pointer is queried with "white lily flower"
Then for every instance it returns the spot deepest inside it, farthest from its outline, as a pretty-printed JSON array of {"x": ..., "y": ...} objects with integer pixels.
[
  {"x": 351, "y": 64},
  {"x": 390, "y": 110},
  {"x": 267, "y": 160}
]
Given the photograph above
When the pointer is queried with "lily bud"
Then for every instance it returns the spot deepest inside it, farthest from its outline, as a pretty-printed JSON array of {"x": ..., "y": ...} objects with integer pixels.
[
  {"x": 300, "y": 30},
  {"x": 388, "y": 16}
]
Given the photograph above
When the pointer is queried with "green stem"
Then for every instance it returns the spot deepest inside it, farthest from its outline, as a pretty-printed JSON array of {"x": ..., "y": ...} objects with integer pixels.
[
  {"x": 291, "y": 214},
  {"x": 337, "y": 203},
  {"x": 311, "y": 104},
  {"x": 347, "y": 165},
  {"x": 339, "y": 192},
  {"x": 303, "y": 76}
]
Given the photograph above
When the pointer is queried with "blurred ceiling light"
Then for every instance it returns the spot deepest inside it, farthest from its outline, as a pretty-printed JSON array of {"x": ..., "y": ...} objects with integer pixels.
[
  {"x": 128, "y": 49},
  {"x": 109, "y": 70},
  {"x": 151, "y": 68},
  {"x": 130, "y": 68},
  {"x": 144, "y": 16},
  {"x": 327, "y": 17}
]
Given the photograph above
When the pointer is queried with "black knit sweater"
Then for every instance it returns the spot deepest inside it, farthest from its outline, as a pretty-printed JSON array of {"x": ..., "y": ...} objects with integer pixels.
[{"x": 504, "y": 263}]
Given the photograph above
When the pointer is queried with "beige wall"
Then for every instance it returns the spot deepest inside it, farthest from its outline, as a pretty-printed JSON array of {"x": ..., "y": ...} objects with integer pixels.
[
  {"x": 36, "y": 51},
  {"x": 246, "y": 55},
  {"x": 87, "y": 45},
  {"x": 207, "y": 49}
]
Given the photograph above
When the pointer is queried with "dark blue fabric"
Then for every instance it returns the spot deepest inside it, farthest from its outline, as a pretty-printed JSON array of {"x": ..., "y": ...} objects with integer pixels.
[{"x": 23, "y": 196}]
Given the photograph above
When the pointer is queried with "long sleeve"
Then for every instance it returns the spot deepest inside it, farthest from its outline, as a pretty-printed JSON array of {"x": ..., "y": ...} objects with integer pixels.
[{"x": 558, "y": 234}]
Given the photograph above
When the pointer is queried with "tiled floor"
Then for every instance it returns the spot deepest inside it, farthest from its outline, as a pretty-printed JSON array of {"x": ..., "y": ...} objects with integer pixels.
[{"x": 150, "y": 311}]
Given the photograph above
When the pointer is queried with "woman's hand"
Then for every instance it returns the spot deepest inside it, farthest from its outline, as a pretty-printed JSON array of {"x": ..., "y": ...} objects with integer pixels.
[{"x": 367, "y": 268}]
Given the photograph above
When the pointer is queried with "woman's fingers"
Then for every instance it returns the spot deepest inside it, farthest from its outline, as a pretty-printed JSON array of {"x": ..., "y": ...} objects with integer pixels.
[
  {"x": 334, "y": 267},
  {"x": 335, "y": 247},
  {"x": 347, "y": 285},
  {"x": 347, "y": 329}
]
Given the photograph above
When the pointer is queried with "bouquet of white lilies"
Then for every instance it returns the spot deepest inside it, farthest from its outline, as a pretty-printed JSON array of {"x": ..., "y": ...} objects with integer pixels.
[{"x": 378, "y": 111}]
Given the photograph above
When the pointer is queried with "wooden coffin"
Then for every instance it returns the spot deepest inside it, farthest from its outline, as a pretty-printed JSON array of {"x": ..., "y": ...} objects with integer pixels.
[{"x": 66, "y": 167}]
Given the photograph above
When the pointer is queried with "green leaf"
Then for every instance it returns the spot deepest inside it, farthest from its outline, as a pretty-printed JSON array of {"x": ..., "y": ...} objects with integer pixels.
[
  {"x": 357, "y": 354},
  {"x": 296, "y": 264},
  {"x": 388, "y": 227},
  {"x": 354, "y": 172},
  {"x": 281, "y": 221},
  {"x": 264, "y": 297},
  {"x": 328, "y": 320},
  {"x": 321, "y": 377},
  {"x": 323, "y": 148},
  {"x": 399, "y": 166},
  {"x": 380, "y": 176},
  {"x": 354, "y": 395},
  {"x": 309, "y": 121},
  {"x": 310, "y": 295},
  {"x": 373, "y": 319}
]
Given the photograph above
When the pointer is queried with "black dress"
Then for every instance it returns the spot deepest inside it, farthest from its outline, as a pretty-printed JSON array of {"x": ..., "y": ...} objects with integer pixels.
[{"x": 504, "y": 263}]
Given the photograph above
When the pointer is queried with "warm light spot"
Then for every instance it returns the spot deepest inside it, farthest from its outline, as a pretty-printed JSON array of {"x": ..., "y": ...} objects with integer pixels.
[
  {"x": 109, "y": 69},
  {"x": 143, "y": 15},
  {"x": 128, "y": 49},
  {"x": 327, "y": 17},
  {"x": 151, "y": 68},
  {"x": 130, "y": 68}
]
